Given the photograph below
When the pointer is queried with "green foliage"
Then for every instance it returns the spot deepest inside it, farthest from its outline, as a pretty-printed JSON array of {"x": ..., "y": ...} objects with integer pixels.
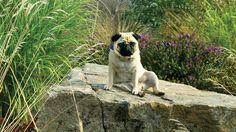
[
  {"x": 187, "y": 61},
  {"x": 152, "y": 12},
  {"x": 39, "y": 41}
]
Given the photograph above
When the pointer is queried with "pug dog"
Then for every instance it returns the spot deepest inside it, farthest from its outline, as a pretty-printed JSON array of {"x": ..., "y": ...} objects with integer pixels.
[{"x": 125, "y": 65}]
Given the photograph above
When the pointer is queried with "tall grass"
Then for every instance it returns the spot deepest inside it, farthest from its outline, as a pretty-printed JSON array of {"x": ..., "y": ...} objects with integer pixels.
[
  {"x": 40, "y": 41},
  {"x": 223, "y": 79},
  {"x": 219, "y": 23}
]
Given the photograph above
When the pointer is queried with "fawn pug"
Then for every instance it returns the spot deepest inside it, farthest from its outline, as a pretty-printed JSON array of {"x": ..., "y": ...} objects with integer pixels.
[{"x": 125, "y": 65}]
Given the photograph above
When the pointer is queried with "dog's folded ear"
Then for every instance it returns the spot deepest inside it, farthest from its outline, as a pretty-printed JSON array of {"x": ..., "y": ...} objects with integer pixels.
[
  {"x": 115, "y": 37},
  {"x": 136, "y": 36}
]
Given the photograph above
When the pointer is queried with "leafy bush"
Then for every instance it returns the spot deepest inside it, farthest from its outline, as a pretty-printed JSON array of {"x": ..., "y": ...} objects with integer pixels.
[
  {"x": 39, "y": 43},
  {"x": 152, "y": 12},
  {"x": 184, "y": 60}
]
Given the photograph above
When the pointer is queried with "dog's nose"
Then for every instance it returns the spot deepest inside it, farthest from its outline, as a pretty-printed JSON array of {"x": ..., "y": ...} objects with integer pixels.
[{"x": 129, "y": 48}]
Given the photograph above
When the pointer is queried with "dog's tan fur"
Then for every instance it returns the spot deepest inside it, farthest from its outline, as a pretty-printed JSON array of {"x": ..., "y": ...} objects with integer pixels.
[{"x": 129, "y": 68}]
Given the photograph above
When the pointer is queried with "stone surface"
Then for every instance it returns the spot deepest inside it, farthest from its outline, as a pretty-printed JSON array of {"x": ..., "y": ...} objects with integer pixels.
[{"x": 81, "y": 104}]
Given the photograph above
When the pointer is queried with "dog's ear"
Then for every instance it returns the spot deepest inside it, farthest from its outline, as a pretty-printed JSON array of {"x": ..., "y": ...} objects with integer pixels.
[
  {"x": 136, "y": 36},
  {"x": 115, "y": 37}
]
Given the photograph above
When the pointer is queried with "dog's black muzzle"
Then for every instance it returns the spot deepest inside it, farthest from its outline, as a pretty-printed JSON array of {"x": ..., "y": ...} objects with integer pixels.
[{"x": 126, "y": 49}]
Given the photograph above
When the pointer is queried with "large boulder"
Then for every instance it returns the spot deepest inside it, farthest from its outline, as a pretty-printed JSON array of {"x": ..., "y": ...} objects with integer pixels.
[{"x": 81, "y": 104}]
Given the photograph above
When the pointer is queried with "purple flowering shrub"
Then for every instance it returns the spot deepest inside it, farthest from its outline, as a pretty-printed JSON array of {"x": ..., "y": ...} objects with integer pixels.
[{"x": 181, "y": 59}]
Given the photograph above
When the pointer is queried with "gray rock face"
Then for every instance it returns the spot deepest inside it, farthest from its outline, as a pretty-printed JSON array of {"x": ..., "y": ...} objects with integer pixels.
[{"x": 81, "y": 104}]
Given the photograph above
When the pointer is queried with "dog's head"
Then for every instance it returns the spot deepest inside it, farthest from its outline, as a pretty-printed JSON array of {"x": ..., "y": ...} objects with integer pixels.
[{"x": 125, "y": 44}]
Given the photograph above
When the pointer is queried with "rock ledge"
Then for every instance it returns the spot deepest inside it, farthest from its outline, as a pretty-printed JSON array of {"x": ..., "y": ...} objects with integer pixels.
[{"x": 81, "y": 104}]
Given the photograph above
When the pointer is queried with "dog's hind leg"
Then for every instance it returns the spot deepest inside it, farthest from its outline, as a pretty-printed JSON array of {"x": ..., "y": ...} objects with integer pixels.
[
  {"x": 155, "y": 88},
  {"x": 151, "y": 81}
]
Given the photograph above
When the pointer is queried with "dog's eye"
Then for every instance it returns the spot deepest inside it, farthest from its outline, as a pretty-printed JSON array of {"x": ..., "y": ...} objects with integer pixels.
[
  {"x": 121, "y": 44},
  {"x": 132, "y": 43}
]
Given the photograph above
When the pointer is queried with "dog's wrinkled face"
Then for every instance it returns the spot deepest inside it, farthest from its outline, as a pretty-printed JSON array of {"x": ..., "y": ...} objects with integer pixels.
[{"x": 125, "y": 44}]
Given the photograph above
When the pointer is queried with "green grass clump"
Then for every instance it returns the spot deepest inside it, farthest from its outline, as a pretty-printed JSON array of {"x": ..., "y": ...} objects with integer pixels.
[
  {"x": 223, "y": 79},
  {"x": 40, "y": 41}
]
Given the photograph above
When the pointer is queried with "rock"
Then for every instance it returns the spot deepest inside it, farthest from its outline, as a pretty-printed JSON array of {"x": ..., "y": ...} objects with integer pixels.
[{"x": 81, "y": 104}]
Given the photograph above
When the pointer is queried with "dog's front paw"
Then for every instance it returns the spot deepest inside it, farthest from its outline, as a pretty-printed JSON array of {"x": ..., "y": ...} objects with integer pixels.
[
  {"x": 107, "y": 87},
  {"x": 135, "y": 91}
]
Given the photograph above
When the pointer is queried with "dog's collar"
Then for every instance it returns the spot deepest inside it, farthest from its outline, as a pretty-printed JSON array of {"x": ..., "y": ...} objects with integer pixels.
[
  {"x": 125, "y": 59},
  {"x": 111, "y": 46}
]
